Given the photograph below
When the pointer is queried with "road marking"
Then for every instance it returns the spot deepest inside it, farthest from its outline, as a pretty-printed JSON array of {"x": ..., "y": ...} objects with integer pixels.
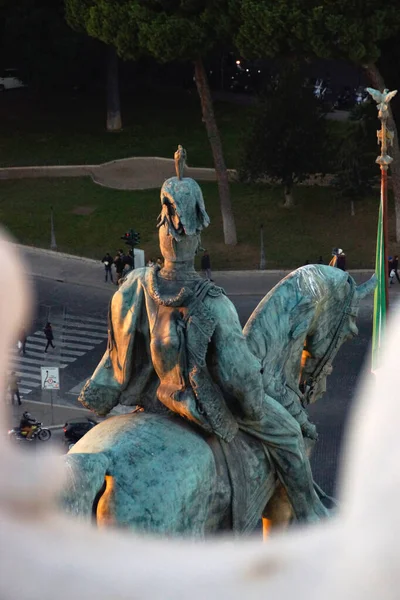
[
  {"x": 61, "y": 342},
  {"x": 64, "y": 324},
  {"x": 96, "y": 334},
  {"x": 99, "y": 321},
  {"x": 75, "y": 336},
  {"x": 42, "y": 357},
  {"x": 30, "y": 383},
  {"x": 43, "y": 361},
  {"x": 37, "y": 345},
  {"x": 28, "y": 375}
]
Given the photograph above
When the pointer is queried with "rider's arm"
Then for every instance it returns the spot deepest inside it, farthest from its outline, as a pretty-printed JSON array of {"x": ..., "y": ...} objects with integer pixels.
[{"x": 234, "y": 368}]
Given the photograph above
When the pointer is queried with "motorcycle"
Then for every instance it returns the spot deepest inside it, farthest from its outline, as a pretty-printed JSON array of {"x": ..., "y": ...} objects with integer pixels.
[{"x": 38, "y": 432}]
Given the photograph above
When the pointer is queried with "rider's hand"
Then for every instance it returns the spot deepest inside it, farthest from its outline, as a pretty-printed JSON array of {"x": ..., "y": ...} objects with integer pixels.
[{"x": 309, "y": 430}]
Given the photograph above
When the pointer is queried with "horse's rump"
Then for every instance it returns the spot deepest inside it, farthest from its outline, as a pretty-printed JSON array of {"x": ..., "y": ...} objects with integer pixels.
[{"x": 165, "y": 476}]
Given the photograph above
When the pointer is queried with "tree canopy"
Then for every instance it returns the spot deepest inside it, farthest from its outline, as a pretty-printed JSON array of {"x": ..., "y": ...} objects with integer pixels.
[
  {"x": 358, "y": 31},
  {"x": 168, "y": 30},
  {"x": 336, "y": 29},
  {"x": 356, "y": 154},
  {"x": 165, "y": 29},
  {"x": 287, "y": 142}
]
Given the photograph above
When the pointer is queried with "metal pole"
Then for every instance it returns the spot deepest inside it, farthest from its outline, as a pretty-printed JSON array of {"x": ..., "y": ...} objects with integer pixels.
[
  {"x": 52, "y": 407},
  {"x": 385, "y": 230},
  {"x": 262, "y": 254},
  {"x": 53, "y": 243}
]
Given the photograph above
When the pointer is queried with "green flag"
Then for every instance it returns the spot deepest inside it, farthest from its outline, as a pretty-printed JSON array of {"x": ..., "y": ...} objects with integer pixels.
[{"x": 380, "y": 295}]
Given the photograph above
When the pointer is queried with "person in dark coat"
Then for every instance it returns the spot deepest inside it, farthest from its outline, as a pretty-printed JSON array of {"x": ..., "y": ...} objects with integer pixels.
[
  {"x": 13, "y": 383},
  {"x": 48, "y": 332},
  {"x": 119, "y": 264},
  {"x": 206, "y": 265},
  {"x": 341, "y": 261},
  {"x": 108, "y": 262},
  {"x": 395, "y": 266},
  {"x": 27, "y": 424}
]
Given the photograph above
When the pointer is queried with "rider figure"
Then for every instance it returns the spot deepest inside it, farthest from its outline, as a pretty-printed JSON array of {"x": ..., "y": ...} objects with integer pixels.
[
  {"x": 27, "y": 424},
  {"x": 205, "y": 369}
]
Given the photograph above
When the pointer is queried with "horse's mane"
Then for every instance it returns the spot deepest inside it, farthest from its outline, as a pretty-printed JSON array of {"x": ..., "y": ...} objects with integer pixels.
[{"x": 306, "y": 299}]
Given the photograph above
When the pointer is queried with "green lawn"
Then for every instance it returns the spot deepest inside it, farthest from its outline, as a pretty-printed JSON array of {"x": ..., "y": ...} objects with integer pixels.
[
  {"x": 71, "y": 130},
  {"x": 319, "y": 222}
]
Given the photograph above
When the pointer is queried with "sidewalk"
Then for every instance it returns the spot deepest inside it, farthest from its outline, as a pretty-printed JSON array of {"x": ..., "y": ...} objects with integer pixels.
[{"x": 76, "y": 270}]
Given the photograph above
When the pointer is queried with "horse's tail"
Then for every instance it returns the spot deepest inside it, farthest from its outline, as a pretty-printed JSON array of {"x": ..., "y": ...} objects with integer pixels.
[{"x": 85, "y": 474}]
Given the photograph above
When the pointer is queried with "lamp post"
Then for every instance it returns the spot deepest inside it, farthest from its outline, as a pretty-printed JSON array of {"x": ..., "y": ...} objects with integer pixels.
[
  {"x": 53, "y": 243},
  {"x": 262, "y": 253}
]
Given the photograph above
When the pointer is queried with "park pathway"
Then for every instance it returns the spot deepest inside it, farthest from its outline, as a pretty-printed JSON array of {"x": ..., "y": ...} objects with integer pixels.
[{"x": 137, "y": 173}]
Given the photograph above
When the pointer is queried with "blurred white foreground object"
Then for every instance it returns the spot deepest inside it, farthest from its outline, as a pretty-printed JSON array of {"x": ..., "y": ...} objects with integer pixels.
[{"x": 355, "y": 555}]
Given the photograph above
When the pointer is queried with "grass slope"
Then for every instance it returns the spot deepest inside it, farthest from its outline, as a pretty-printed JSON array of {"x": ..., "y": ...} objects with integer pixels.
[{"x": 319, "y": 222}]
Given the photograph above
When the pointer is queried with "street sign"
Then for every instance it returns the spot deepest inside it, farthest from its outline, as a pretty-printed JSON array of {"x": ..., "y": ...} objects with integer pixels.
[{"x": 50, "y": 378}]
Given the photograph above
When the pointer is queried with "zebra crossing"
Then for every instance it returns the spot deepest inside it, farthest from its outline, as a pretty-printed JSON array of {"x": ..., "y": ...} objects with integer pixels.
[{"x": 74, "y": 336}]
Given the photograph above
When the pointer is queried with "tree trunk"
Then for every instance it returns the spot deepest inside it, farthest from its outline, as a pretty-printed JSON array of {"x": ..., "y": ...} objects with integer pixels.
[
  {"x": 114, "y": 122},
  {"x": 228, "y": 220},
  {"x": 352, "y": 208},
  {"x": 289, "y": 200},
  {"x": 378, "y": 83}
]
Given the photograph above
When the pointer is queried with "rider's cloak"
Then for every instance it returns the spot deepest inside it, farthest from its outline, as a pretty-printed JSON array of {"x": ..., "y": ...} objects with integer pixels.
[{"x": 221, "y": 367}]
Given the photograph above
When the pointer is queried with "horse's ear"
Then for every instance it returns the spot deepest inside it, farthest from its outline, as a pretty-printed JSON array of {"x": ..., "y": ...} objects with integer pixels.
[{"x": 364, "y": 289}]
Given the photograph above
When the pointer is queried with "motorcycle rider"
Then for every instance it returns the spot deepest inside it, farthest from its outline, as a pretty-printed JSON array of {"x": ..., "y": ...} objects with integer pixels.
[{"x": 27, "y": 424}]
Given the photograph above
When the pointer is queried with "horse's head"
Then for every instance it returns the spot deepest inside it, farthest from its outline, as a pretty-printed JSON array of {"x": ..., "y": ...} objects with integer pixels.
[{"x": 337, "y": 305}]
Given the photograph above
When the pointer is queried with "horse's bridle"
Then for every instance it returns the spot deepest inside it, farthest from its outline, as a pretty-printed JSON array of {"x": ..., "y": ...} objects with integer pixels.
[{"x": 323, "y": 368}]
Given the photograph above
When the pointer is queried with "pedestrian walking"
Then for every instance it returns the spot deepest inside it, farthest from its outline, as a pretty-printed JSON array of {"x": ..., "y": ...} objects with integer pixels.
[
  {"x": 395, "y": 267},
  {"x": 160, "y": 262},
  {"x": 119, "y": 265},
  {"x": 13, "y": 383},
  {"x": 108, "y": 262},
  {"x": 48, "y": 332},
  {"x": 206, "y": 265},
  {"x": 22, "y": 342}
]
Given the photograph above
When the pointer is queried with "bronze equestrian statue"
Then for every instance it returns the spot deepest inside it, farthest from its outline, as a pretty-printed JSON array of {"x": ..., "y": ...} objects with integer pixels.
[{"x": 222, "y": 425}]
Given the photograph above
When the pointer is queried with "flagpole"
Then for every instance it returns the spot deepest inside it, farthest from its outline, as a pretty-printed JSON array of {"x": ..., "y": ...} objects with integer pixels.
[
  {"x": 384, "y": 200},
  {"x": 381, "y": 297},
  {"x": 385, "y": 139}
]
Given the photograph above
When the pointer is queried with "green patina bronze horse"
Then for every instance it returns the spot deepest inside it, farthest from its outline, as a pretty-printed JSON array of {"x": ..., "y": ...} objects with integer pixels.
[{"x": 156, "y": 472}]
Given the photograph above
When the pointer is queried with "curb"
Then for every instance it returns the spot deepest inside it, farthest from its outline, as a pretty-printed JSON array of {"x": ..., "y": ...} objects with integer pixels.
[
  {"x": 94, "y": 262},
  {"x": 55, "y": 254}
]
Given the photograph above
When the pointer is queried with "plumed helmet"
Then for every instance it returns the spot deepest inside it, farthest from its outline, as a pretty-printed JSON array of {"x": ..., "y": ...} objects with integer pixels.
[{"x": 182, "y": 207}]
